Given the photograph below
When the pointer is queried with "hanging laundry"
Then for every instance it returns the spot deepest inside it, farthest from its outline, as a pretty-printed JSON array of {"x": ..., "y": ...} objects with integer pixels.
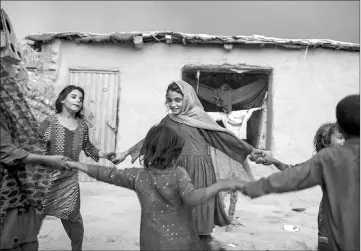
[
  {"x": 235, "y": 121},
  {"x": 223, "y": 98}
]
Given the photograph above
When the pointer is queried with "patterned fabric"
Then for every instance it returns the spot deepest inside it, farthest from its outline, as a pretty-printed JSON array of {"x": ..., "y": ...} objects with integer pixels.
[
  {"x": 166, "y": 196},
  {"x": 63, "y": 199},
  {"x": 187, "y": 190},
  {"x": 22, "y": 185}
]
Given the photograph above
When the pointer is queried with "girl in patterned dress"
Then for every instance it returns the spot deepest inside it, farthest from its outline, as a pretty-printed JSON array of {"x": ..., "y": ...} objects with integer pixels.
[
  {"x": 66, "y": 133},
  {"x": 165, "y": 191}
]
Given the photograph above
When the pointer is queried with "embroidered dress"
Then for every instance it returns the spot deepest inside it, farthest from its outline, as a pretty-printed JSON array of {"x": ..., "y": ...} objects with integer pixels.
[{"x": 63, "y": 199}]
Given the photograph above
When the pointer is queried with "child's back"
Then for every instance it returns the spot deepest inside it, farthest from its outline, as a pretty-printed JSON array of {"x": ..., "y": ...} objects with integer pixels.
[
  {"x": 166, "y": 197},
  {"x": 165, "y": 192},
  {"x": 341, "y": 204},
  {"x": 166, "y": 221}
]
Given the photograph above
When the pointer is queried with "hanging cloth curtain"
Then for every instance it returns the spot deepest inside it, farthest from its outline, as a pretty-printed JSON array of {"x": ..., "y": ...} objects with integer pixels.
[{"x": 247, "y": 96}]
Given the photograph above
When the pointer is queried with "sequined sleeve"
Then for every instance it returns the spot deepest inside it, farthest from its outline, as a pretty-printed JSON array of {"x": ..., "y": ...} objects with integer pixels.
[
  {"x": 120, "y": 177},
  {"x": 89, "y": 149},
  {"x": 188, "y": 193}
]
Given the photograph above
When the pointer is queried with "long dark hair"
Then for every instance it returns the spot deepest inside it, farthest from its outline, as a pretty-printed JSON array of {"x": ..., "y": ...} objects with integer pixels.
[
  {"x": 63, "y": 94},
  {"x": 161, "y": 148}
]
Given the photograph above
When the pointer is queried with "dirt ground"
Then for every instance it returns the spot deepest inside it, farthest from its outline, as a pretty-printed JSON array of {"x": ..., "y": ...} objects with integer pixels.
[{"x": 112, "y": 217}]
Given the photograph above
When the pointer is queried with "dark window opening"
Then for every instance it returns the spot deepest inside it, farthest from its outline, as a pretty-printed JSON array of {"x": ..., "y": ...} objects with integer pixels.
[{"x": 212, "y": 86}]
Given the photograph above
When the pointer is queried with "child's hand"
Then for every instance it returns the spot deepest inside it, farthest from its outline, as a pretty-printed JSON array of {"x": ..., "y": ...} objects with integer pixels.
[
  {"x": 257, "y": 153},
  {"x": 120, "y": 157},
  {"x": 77, "y": 165},
  {"x": 268, "y": 160},
  {"x": 56, "y": 162},
  {"x": 258, "y": 159},
  {"x": 235, "y": 183},
  {"x": 241, "y": 186},
  {"x": 265, "y": 160},
  {"x": 110, "y": 156}
]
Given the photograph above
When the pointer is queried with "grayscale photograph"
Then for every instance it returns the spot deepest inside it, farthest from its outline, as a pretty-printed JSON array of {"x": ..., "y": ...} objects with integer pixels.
[{"x": 180, "y": 125}]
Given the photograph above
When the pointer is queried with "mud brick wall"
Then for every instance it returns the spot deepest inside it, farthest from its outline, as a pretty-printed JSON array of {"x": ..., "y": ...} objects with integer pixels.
[{"x": 43, "y": 69}]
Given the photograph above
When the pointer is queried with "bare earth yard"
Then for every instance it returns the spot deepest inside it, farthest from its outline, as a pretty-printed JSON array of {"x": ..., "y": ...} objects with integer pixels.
[{"x": 112, "y": 216}]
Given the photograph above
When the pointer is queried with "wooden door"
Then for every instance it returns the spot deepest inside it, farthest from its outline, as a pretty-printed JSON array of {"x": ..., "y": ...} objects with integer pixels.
[{"x": 101, "y": 100}]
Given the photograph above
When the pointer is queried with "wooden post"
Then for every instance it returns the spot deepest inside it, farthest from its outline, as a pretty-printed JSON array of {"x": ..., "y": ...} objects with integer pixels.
[
  {"x": 232, "y": 207},
  {"x": 3, "y": 39}
]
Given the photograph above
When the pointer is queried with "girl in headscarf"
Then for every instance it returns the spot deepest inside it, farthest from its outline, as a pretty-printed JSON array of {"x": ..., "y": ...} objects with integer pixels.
[{"x": 199, "y": 131}]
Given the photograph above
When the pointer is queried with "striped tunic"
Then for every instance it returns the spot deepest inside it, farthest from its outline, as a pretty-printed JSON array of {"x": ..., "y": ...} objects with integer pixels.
[{"x": 63, "y": 199}]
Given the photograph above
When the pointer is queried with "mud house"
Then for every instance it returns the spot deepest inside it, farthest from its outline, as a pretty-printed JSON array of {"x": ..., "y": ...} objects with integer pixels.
[{"x": 125, "y": 76}]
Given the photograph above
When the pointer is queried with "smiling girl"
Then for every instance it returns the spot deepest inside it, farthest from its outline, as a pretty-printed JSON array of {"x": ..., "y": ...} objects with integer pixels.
[{"x": 66, "y": 133}]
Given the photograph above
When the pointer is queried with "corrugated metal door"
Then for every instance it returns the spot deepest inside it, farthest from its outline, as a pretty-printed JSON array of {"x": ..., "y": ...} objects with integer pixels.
[{"x": 102, "y": 89}]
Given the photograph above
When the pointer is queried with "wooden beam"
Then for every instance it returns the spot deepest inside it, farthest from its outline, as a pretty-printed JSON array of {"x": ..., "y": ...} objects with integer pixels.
[
  {"x": 3, "y": 39},
  {"x": 228, "y": 68},
  {"x": 168, "y": 39},
  {"x": 232, "y": 209},
  {"x": 88, "y": 69},
  {"x": 138, "y": 42},
  {"x": 228, "y": 47}
]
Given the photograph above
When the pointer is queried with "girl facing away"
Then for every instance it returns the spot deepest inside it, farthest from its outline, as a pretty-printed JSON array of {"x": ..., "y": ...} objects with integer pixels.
[
  {"x": 165, "y": 191},
  {"x": 327, "y": 135}
]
